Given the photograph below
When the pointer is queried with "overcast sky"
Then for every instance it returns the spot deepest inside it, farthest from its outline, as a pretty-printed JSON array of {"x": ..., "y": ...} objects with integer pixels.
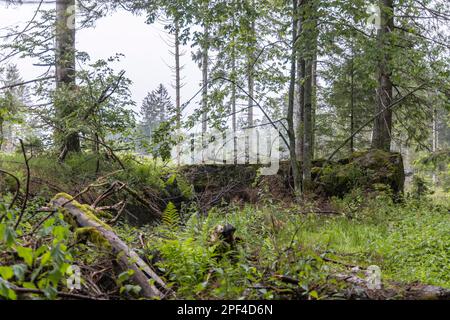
[{"x": 147, "y": 56}]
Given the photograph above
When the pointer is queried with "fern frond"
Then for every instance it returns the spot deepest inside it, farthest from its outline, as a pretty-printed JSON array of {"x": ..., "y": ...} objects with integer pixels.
[{"x": 171, "y": 217}]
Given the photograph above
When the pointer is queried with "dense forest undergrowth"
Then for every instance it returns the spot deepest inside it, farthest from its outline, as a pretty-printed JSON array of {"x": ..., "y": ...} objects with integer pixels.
[
  {"x": 318, "y": 248},
  {"x": 102, "y": 198}
]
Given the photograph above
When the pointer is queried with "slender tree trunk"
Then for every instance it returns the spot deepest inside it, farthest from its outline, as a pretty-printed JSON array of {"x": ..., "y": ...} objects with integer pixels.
[
  {"x": 1, "y": 133},
  {"x": 177, "y": 83},
  {"x": 250, "y": 87},
  {"x": 307, "y": 121},
  {"x": 308, "y": 96},
  {"x": 290, "y": 114},
  {"x": 381, "y": 137},
  {"x": 314, "y": 103},
  {"x": 65, "y": 66},
  {"x": 352, "y": 102},
  {"x": 205, "y": 63},
  {"x": 300, "y": 98},
  {"x": 435, "y": 140},
  {"x": 250, "y": 72},
  {"x": 233, "y": 97}
]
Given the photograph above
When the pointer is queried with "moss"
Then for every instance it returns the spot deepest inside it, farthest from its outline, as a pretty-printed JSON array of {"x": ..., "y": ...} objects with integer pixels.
[
  {"x": 86, "y": 209},
  {"x": 364, "y": 169},
  {"x": 93, "y": 235},
  {"x": 339, "y": 179},
  {"x": 69, "y": 218}
]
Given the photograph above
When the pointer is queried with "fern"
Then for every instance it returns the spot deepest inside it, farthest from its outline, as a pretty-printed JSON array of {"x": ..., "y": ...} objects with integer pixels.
[{"x": 171, "y": 217}]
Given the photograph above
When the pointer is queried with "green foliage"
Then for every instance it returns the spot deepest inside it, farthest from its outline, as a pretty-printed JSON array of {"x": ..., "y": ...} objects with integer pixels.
[
  {"x": 42, "y": 266},
  {"x": 189, "y": 260},
  {"x": 417, "y": 248},
  {"x": 171, "y": 218},
  {"x": 420, "y": 187}
]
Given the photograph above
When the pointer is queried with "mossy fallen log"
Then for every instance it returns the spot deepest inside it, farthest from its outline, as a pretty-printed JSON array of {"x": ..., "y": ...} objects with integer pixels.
[{"x": 86, "y": 224}]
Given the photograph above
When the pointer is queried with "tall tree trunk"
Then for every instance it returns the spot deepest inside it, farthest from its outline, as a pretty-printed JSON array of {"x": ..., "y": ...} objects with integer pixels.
[
  {"x": 308, "y": 98},
  {"x": 381, "y": 137},
  {"x": 307, "y": 124},
  {"x": 250, "y": 72},
  {"x": 65, "y": 66},
  {"x": 300, "y": 112},
  {"x": 177, "y": 83},
  {"x": 233, "y": 96},
  {"x": 352, "y": 100},
  {"x": 290, "y": 115},
  {"x": 205, "y": 58},
  {"x": 2, "y": 138},
  {"x": 314, "y": 102},
  {"x": 250, "y": 158},
  {"x": 435, "y": 139}
]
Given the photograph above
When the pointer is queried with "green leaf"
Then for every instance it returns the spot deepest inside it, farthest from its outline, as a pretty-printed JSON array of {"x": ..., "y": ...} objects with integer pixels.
[
  {"x": 6, "y": 291},
  {"x": 6, "y": 272},
  {"x": 26, "y": 254},
  {"x": 19, "y": 271},
  {"x": 55, "y": 276},
  {"x": 58, "y": 254},
  {"x": 29, "y": 285},
  {"x": 60, "y": 232},
  {"x": 50, "y": 293},
  {"x": 45, "y": 258},
  {"x": 7, "y": 234},
  {"x": 124, "y": 276}
]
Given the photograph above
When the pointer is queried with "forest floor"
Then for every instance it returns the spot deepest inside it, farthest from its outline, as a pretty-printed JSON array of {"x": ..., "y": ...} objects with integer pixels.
[{"x": 279, "y": 250}]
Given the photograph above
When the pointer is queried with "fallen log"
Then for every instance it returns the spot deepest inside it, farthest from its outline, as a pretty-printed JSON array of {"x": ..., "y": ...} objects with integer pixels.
[{"x": 83, "y": 216}]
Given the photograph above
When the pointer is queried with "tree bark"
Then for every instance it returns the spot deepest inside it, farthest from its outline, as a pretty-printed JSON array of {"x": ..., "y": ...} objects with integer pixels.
[
  {"x": 352, "y": 101},
  {"x": 177, "y": 84},
  {"x": 250, "y": 72},
  {"x": 300, "y": 112},
  {"x": 308, "y": 96},
  {"x": 307, "y": 121},
  {"x": 290, "y": 114},
  {"x": 233, "y": 96},
  {"x": 314, "y": 101},
  {"x": 381, "y": 137},
  {"x": 65, "y": 65},
  {"x": 205, "y": 58}
]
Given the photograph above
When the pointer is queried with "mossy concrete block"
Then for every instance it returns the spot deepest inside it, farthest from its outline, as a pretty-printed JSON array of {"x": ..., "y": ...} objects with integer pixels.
[{"x": 363, "y": 169}]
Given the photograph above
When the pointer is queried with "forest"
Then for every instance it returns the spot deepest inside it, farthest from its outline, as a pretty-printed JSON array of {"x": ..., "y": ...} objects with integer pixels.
[{"x": 292, "y": 150}]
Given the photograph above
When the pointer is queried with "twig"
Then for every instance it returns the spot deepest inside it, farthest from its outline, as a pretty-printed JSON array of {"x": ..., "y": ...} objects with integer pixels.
[
  {"x": 27, "y": 188},
  {"x": 89, "y": 187},
  {"x": 51, "y": 213},
  {"x": 119, "y": 213},
  {"x": 287, "y": 279},
  {"x": 26, "y": 82},
  {"x": 60, "y": 294},
  {"x": 16, "y": 195},
  {"x": 342, "y": 263}
]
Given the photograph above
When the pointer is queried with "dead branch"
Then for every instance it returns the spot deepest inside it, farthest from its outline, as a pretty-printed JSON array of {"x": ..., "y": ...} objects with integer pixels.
[
  {"x": 119, "y": 213},
  {"x": 16, "y": 195},
  {"x": 27, "y": 187},
  {"x": 153, "y": 208},
  {"x": 59, "y": 294}
]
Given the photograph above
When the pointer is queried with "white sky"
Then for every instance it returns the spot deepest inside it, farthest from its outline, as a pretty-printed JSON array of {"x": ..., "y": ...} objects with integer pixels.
[{"x": 147, "y": 56}]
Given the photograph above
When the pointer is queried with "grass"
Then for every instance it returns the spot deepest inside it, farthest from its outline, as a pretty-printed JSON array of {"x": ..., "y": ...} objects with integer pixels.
[{"x": 409, "y": 241}]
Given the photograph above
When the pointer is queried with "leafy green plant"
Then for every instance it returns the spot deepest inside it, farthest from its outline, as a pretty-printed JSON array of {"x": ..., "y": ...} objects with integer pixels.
[{"x": 171, "y": 217}]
